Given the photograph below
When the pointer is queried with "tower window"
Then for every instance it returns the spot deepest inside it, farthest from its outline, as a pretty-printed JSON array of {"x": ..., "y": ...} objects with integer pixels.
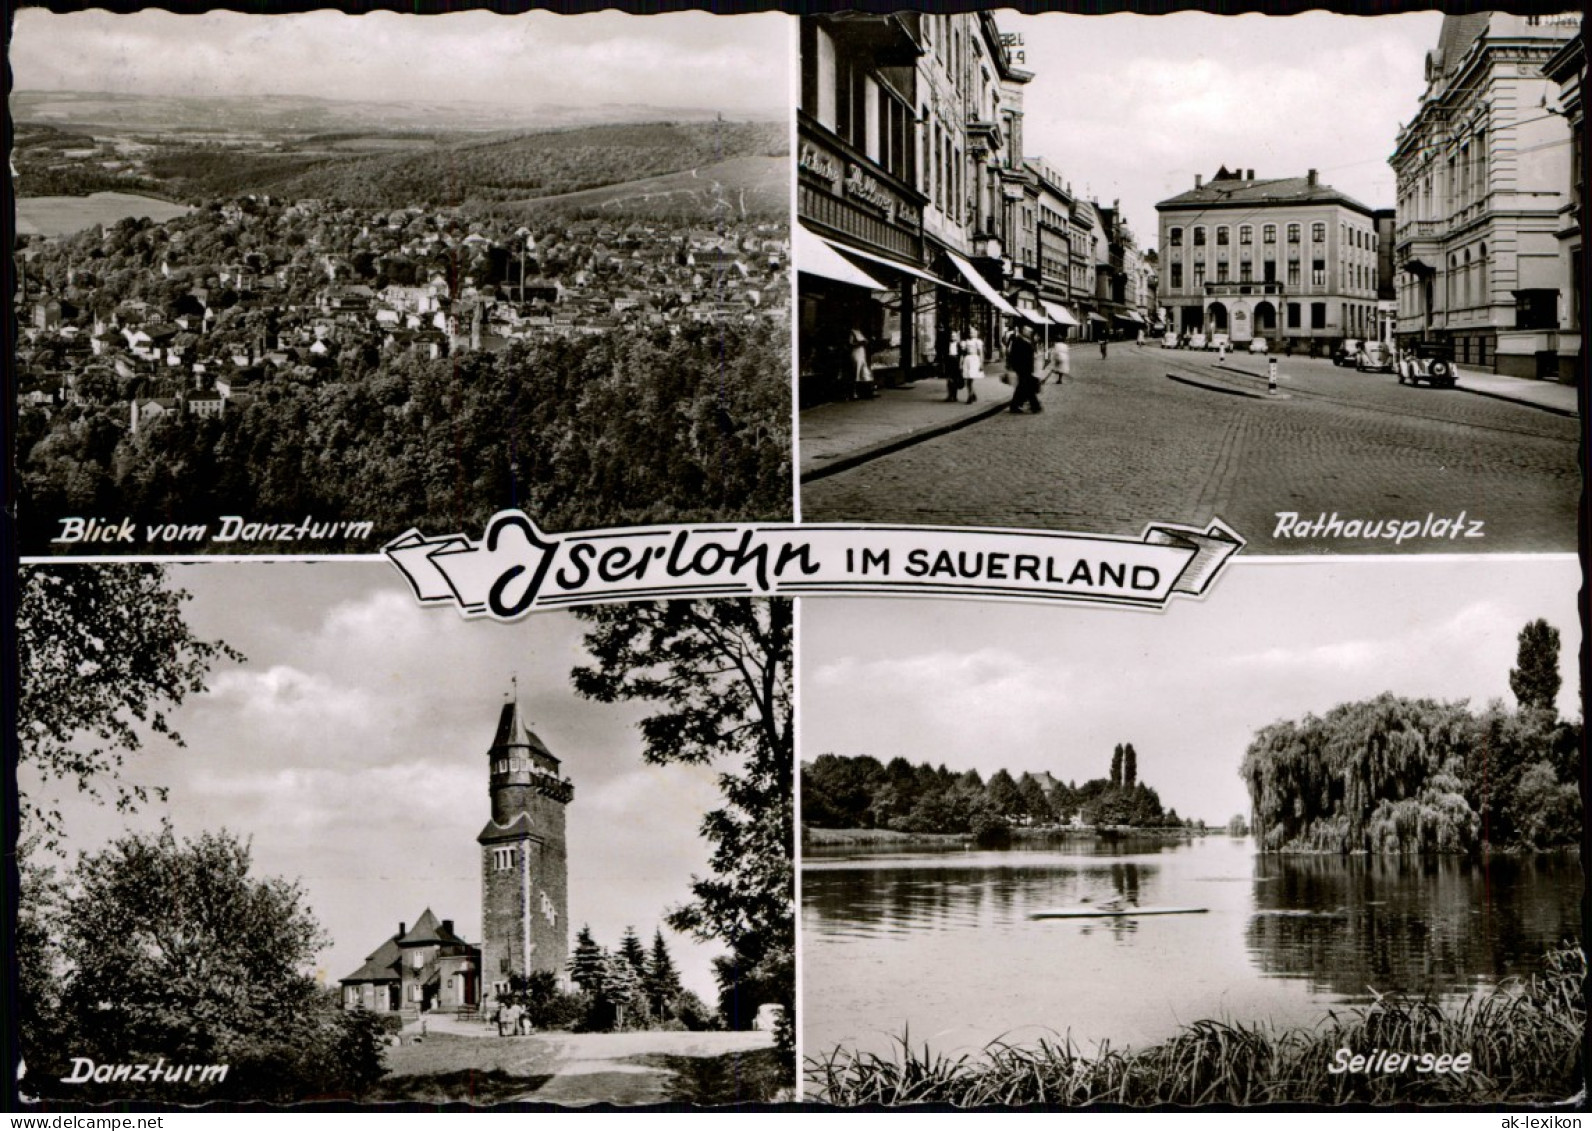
[{"x": 502, "y": 859}]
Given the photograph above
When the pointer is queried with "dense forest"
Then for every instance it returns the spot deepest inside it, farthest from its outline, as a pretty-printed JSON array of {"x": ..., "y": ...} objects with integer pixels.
[
  {"x": 1394, "y": 775},
  {"x": 614, "y": 429},
  {"x": 862, "y": 793}
]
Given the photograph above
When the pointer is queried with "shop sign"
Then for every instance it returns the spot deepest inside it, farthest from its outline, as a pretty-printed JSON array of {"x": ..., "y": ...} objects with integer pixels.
[
  {"x": 824, "y": 167},
  {"x": 868, "y": 190}
]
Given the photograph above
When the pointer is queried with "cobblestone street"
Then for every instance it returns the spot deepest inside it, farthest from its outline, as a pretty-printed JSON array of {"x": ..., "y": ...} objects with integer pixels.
[{"x": 1172, "y": 435}]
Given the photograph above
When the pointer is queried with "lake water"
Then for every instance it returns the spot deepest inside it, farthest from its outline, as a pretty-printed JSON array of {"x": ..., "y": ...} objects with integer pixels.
[
  {"x": 64, "y": 215},
  {"x": 940, "y": 943}
]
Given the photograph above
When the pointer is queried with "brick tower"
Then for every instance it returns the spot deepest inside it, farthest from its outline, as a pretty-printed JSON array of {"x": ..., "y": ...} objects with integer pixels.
[{"x": 524, "y": 869}]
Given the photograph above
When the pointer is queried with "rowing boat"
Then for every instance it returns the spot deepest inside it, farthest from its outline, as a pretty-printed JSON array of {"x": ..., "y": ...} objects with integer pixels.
[{"x": 1086, "y": 912}]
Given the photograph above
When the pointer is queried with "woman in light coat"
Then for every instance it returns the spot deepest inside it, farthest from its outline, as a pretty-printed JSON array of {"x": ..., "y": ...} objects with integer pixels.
[{"x": 972, "y": 354}]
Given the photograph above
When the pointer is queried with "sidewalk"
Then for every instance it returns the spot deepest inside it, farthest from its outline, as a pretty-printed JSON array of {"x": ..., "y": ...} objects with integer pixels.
[
  {"x": 835, "y": 437},
  {"x": 1549, "y": 395}
]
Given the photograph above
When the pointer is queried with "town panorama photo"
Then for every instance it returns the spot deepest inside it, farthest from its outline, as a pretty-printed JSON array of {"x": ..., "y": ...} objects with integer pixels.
[{"x": 278, "y": 292}]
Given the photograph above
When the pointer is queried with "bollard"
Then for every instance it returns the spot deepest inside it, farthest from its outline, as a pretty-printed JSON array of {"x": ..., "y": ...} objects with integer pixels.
[{"x": 1271, "y": 376}]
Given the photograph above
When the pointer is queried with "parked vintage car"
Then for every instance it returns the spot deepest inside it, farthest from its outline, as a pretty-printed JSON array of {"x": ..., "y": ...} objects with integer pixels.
[
  {"x": 1169, "y": 340},
  {"x": 1196, "y": 341},
  {"x": 1347, "y": 351},
  {"x": 1429, "y": 362},
  {"x": 1220, "y": 342},
  {"x": 1374, "y": 357},
  {"x": 1259, "y": 345}
]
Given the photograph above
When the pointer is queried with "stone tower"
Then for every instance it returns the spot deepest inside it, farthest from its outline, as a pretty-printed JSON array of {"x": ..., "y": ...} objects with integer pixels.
[{"x": 524, "y": 869}]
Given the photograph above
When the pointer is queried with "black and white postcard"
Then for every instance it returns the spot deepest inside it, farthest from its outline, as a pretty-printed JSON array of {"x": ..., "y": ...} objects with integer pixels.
[{"x": 830, "y": 559}]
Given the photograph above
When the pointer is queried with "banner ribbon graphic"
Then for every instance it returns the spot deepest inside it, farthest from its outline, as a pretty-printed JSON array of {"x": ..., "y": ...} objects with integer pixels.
[{"x": 517, "y": 569}]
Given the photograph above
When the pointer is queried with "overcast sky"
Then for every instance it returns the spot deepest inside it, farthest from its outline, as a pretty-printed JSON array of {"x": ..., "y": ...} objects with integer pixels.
[
  {"x": 1131, "y": 107},
  {"x": 351, "y": 748},
  {"x": 982, "y": 685},
  {"x": 689, "y": 59}
]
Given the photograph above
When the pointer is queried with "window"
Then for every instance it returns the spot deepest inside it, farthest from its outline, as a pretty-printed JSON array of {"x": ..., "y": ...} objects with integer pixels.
[
  {"x": 1318, "y": 272},
  {"x": 1269, "y": 233},
  {"x": 1175, "y": 237},
  {"x": 1199, "y": 275},
  {"x": 1271, "y": 271},
  {"x": 1293, "y": 316},
  {"x": 1244, "y": 273},
  {"x": 1293, "y": 272},
  {"x": 1177, "y": 276},
  {"x": 1221, "y": 236},
  {"x": 1318, "y": 316},
  {"x": 1293, "y": 233},
  {"x": 1221, "y": 271},
  {"x": 502, "y": 859},
  {"x": 1199, "y": 237},
  {"x": 1318, "y": 232},
  {"x": 1246, "y": 235}
]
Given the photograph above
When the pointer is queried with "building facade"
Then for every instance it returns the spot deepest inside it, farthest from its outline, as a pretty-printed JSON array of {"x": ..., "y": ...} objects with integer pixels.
[
  {"x": 910, "y": 193},
  {"x": 1484, "y": 175},
  {"x": 421, "y": 969},
  {"x": 1290, "y": 260},
  {"x": 1567, "y": 69},
  {"x": 524, "y": 861}
]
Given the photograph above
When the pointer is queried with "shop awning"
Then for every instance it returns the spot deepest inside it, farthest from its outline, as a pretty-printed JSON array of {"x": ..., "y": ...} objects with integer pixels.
[
  {"x": 1059, "y": 314},
  {"x": 1130, "y": 316},
  {"x": 1033, "y": 316},
  {"x": 1093, "y": 317},
  {"x": 814, "y": 256},
  {"x": 981, "y": 285},
  {"x": 870, "y": 257}
]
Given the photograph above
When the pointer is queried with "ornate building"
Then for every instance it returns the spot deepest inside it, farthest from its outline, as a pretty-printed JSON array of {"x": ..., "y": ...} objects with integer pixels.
[
  {"x": 1291, "y": 260},
  {"x": 1484, "y": 172}
]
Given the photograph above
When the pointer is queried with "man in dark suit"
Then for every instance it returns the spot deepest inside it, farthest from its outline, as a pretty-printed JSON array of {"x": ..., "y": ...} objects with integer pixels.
[{"x": 1020, "y": 360}]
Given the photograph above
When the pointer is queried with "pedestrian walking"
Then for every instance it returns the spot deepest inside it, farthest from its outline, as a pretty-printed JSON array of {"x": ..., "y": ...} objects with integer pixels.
[
  {"x": 1020, "y": 360},
  {"x": 972, "y": 354},
  {"x": 950, "y": 364},
  {"x": 1221, "y": 353},
  {"x": 861, "y": 372},
  {"x": 1102, "y": 347},
  {"x": 1058, "y": 361}
]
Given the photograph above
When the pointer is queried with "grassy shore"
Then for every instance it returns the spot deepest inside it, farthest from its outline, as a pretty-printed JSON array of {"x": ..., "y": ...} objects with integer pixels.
[{"x": 1524, "y": 1041}]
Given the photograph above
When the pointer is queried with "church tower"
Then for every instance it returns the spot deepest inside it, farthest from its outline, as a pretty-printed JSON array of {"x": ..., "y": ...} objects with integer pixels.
[{"x": 524, "y": 869}]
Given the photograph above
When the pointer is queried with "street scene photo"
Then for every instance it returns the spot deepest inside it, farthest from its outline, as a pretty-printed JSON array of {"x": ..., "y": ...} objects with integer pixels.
[
  {"x": 1088, "y": 273},
  {"x": 366, "y": 852},
  {"x": 1312, "y": 841},
  {"x": 296, "y": 283}
]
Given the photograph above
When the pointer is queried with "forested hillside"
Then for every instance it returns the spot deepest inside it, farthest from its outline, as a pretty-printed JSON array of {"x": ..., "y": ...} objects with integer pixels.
[
  {"x": 495, "y": 170},
  {"x": 622, "y": 428}
]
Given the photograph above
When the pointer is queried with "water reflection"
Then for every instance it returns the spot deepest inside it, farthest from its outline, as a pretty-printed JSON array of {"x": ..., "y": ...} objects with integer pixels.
[
  {"x": 942, "y": 942},
  {"x": 1357, "y": 926}
]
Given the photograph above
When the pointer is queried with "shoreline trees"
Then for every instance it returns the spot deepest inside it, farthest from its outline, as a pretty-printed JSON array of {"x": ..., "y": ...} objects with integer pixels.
[{"x": 1397, "y": 775}]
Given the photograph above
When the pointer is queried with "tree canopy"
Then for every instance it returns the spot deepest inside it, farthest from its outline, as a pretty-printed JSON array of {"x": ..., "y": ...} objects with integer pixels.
[
  {"x": 719, "y": 675},
  {"x": 175, "y": 949},
  {"x": 104, "y": 655}
]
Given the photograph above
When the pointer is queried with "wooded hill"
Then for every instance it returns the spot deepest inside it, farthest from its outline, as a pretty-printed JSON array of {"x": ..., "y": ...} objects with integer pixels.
[{"x": 480, "y": 171}]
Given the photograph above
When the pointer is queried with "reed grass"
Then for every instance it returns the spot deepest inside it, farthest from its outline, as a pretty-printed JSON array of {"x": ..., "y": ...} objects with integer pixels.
[{"x": 1524, "y": 1039}]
